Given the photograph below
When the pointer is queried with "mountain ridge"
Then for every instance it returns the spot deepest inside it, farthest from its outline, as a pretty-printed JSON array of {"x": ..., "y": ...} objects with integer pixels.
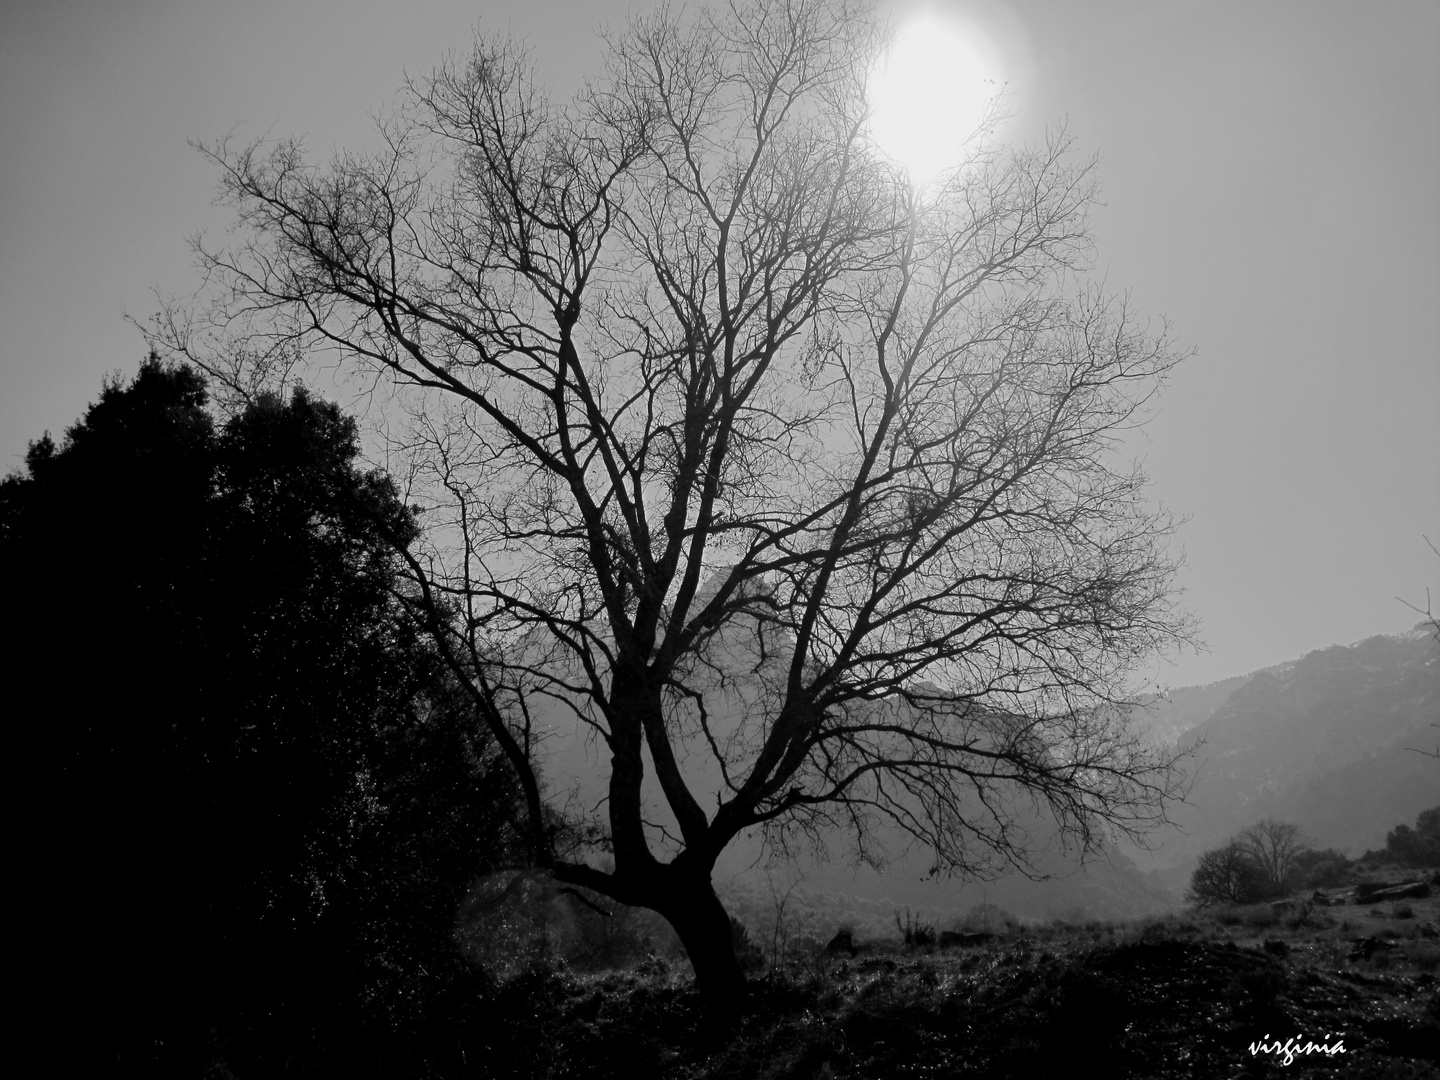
[{"x": 1325, "y": 741}]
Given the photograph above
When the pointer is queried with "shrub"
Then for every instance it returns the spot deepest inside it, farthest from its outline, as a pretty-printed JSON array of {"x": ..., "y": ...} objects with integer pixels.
[{"x": 1325, "y": 869}]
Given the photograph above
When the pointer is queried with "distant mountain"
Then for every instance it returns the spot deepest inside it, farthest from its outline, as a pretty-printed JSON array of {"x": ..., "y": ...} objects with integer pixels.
[
  {"x": 1321, "y": 742},
  {"x": 1324, "y": 741},
  {"x": 1166, "y": 718}
]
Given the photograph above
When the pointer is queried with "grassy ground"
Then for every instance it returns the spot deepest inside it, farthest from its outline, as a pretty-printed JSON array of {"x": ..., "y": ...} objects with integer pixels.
[{"x": 1182, "y": 996}]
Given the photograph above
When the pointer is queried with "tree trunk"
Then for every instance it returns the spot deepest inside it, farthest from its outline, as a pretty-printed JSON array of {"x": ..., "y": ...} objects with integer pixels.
[
  {"x": 697, "y": 915},
  {"x": 687, "y": 900}
]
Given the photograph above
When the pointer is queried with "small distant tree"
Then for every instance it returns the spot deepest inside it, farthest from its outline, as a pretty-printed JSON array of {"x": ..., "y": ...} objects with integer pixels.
[
  {"x": 1227, "y": 875},
  {"x": 1273, "y": 846}
]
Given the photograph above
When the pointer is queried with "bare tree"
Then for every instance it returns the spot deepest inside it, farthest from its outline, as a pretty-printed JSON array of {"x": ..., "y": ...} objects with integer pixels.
[
  {"x": 1226, "y": 875},
  {"x": 1273, "y": 846},
  {"x": 794, "y": 485}
]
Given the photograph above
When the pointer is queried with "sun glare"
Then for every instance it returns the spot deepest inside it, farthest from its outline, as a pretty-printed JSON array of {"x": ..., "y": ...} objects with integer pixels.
[{"x": 929, "y": 92}]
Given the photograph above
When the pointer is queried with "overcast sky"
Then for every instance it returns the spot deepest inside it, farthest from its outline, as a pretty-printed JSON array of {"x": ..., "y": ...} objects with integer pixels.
[{"x": 1271, "y": 174}]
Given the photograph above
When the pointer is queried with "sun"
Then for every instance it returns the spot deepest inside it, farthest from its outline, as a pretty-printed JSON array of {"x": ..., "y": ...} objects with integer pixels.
[{"x": 929, "y": 93}]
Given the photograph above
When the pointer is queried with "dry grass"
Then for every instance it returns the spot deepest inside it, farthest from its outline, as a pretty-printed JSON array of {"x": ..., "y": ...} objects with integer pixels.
[{"x": 1178, "y": 996}]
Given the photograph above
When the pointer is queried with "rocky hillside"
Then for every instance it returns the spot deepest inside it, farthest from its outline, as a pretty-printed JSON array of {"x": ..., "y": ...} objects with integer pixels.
[
  {"x": 1326, "y": 741},
  {"x": 1164, "y": 719}
]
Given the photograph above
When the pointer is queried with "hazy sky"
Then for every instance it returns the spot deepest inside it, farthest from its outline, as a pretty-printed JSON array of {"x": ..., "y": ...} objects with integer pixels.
[{"x": 1272, "y": 180}]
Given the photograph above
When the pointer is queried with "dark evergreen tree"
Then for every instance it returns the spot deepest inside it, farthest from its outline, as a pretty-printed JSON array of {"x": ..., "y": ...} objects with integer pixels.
[{"x": 258, "y": 803}]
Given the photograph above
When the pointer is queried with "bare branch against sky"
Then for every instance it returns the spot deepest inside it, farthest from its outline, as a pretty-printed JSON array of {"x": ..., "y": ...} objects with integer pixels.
[
  {"x": 784, "y": 468},
  {"x": 1269, "y": 174}
]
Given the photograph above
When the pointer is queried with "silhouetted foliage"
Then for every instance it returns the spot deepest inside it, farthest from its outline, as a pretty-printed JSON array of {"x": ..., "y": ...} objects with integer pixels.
[
  {"x": 1419, "y": 846},
  {"x": 1256, "y": 863},
  {"x": 1227, "y": 875},
  {"x": 262, "y": 800},
  {"x": 1273, "y": 846}
]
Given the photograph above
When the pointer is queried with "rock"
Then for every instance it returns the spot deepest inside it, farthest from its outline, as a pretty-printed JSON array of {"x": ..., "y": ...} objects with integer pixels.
[{"x": 1405, "y": 890}]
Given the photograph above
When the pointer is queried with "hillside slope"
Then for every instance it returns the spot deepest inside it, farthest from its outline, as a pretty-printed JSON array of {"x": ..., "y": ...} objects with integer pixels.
[{"x": 1324, "y": 742}]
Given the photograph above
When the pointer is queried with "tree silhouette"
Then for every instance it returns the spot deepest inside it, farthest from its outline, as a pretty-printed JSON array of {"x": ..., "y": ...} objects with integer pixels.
[
  {"x": 1227, "y": 875},
  {"x": 794, "y": 485},
  {"x": 1274, "y": 846},
  {"x": 260, "y": 794}
]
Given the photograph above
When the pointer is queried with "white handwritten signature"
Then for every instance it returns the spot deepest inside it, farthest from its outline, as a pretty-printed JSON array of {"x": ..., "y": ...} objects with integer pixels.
[{"x": 1290, "y": 1048}]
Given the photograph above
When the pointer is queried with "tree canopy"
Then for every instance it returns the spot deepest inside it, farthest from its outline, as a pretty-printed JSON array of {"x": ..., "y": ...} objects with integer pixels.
[
  {"x": 792, "y": 483},
  {"x": 257, "y": 788}
]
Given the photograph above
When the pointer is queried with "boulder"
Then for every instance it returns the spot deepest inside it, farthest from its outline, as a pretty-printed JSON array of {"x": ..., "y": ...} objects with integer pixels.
[{"x": 1405, "y": 890}]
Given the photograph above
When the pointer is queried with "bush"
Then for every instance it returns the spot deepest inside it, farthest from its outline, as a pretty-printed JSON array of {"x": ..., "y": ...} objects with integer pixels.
[{"x": 1326, "y": 869}]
